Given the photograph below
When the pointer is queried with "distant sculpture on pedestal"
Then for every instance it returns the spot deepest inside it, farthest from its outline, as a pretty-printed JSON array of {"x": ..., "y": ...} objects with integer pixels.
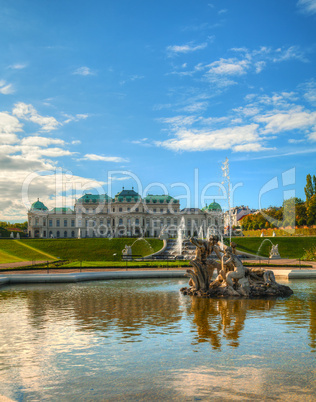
[
  {"x": 273, "y": 234},
  {"x": 127, "y": 252},
  {"x": 12, "y": 235},
  {"x": 274, "y": 252}
]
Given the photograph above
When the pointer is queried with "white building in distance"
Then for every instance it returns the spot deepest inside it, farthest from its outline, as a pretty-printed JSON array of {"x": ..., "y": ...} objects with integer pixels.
[
  {"x": 125, "y": 215},
  {"x": 236, "y": 214}
]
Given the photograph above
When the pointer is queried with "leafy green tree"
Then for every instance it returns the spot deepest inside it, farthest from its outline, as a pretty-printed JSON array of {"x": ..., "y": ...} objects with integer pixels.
[
  {"x": 311, "y": 211},
  {"x": 310, "y": 188}
]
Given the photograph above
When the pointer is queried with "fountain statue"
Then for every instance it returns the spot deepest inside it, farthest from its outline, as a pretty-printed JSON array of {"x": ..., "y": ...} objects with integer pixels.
[
  {"x": 233, "y": 278},
  {"x": 274, "y": 252},
  {"x": 127, "y": 252}
]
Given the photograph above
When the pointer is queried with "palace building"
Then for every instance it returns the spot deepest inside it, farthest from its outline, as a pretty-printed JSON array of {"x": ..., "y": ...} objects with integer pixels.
[{"x": 125, "y": 215}]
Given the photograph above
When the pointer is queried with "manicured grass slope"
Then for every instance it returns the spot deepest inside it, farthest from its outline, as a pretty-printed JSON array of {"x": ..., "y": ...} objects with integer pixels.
[
  {"x": 76, "y": 249},
  {"x": 289, "y": 247},
  {"x": 18, "y": 250}
]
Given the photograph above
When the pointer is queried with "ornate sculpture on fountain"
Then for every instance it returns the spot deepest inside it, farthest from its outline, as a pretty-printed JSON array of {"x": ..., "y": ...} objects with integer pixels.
[
  {"x": 274, "y": 252},
  {"x": 233, "y": 278},
  {"x": 127, "y": 252},
  {"x": 202, "y": 263}
]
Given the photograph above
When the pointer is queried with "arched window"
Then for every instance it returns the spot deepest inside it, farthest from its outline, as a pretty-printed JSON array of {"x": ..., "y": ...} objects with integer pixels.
[
  {"x": 65, "y": 233},
  {"x": 120, "y": 221},
  {"x": 73, "y": 233},
  {"x": 50, "y": 234},
  {"x": 58, "y": 233}
]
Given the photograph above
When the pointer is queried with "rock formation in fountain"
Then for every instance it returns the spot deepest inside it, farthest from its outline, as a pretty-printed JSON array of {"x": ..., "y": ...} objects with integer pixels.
[{"x": 233, "y": 278}]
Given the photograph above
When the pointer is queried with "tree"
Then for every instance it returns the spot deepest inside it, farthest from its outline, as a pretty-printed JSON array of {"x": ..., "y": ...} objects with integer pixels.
[
  {"x": 311, "y": 210},
  {"x": 310, "y": 188}
]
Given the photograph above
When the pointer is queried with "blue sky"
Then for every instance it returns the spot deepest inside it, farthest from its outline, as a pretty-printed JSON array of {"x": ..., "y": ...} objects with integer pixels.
[{"x": 105, "y": 94}]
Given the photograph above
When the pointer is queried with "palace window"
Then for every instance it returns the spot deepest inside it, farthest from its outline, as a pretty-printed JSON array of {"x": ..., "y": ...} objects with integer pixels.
[
  {"x": 72, "y": 223},
  {"x": 65, "y": 223},
  {"x": 50, "y": 223},
  {"x": 57, "y": 222}
]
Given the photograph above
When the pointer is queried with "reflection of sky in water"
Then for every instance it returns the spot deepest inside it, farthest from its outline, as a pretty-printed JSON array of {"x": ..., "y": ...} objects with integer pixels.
[{"x": 144, "y": 340}]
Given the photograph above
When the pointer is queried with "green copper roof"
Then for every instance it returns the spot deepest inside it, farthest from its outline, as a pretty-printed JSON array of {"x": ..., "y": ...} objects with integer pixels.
[
  {"x": 159, "y": 199},
  {"x": 94, "y": 198},
  {"x": 127, "y": 194},
  {"x": 214, "y": 206},
  {"x": 61, "y": 210},
  {"x": 39, "y": 206}
]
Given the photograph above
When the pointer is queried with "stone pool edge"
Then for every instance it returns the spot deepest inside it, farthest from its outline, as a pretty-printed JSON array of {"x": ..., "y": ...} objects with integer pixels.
[{"x": 98, "y": 276}]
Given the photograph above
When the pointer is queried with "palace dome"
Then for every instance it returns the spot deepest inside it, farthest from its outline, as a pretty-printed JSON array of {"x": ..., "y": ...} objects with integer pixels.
[
  {"x": 214, "y": 206},
  {"x": 38, "y": 206}
]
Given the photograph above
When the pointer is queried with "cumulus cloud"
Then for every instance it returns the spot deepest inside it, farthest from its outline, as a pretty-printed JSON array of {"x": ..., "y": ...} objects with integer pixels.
[
  {"x": 29, "y": 113},
  {"x": 41, "y": 141},
  {"x": 33, "y": 155}
]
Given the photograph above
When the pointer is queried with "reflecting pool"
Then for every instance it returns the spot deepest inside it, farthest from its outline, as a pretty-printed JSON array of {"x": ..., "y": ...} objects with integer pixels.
[{"x": 143, "y": 340}]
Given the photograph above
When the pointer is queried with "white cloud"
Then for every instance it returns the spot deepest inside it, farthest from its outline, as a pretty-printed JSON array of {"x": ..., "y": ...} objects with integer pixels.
[
  {"x": 294, "y": 141},
  {"x": 29, "y": 113},
  {"x": 77, "y": 117},
  {"x": 295, "y": 119},
  {"x": 291, "y": 53},
  {"x": 9, "y": 124},
  {"x": 229, "y": 67},
  {"x": 251, "y": 147},
  {"x": 188, "y": 48},
  {"x": 6, "y": 89},
  {"x": 307, "y": 6},
  {"x": 18, "y": 66},
  {"x": 41, "y": 141},
  {"x": 76, "y": 142},
  {"x": 94, "y": 157},
  {"x": 312, "y": 136},
  {"x": 83, "y": 71},
  {"x": 200, "y": 140},
  {"x": 309, "y": 89}
]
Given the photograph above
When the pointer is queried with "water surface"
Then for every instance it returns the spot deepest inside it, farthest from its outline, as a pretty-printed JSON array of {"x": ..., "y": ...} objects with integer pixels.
[{"x": 143, "y": 340}]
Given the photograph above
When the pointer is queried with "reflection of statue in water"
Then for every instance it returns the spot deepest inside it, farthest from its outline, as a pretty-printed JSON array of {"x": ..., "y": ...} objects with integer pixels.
[
  {"x": 233, "y": 278},
  {"x": 203, "y": 265},
  {"x": 216, "y": 320}
]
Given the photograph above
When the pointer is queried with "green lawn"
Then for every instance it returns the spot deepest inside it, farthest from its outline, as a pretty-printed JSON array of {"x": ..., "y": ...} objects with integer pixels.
[
  {"x": 289, "y": 247},
  {"x": 123, "y": 264},
  {"x": 74, "y": 249},
  {"x": 20, "y": 250}
]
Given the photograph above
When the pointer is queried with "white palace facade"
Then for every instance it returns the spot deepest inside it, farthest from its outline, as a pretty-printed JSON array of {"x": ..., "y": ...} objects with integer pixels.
[{"x": 125, "y": 215}]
